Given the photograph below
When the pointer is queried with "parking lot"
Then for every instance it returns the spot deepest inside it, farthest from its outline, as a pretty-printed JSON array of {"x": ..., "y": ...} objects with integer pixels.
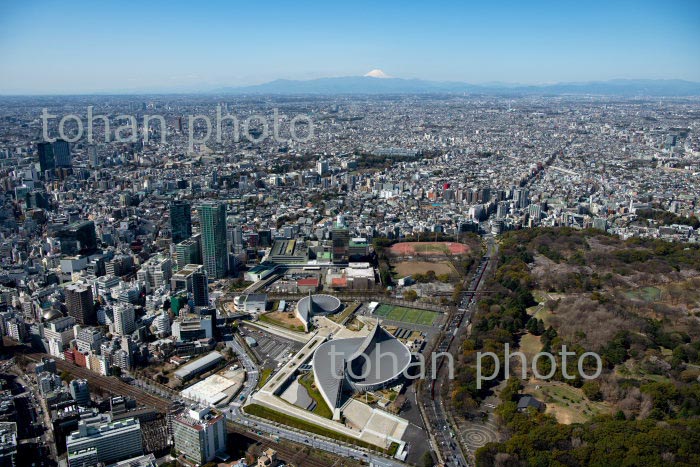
[{"x": 272, "y": 350}]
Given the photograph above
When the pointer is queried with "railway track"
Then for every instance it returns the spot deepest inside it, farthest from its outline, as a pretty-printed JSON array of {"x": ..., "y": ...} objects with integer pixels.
[
  {"x": 109, "y": 384},
  {"x": 296, "y": 454}
]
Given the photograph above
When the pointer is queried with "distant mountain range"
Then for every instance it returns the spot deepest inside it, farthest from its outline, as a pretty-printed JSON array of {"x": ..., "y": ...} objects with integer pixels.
[{"x": 371, "y": 85}]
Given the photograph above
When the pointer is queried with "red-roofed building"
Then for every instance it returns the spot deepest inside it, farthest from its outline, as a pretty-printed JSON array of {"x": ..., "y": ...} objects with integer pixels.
[
  {"x": 308, "y": 284},
  {"x": 339, "y": 282}
]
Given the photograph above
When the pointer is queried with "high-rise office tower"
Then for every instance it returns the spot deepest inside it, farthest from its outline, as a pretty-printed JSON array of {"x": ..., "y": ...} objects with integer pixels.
[
  {"x": 78, "y": 237},
  {"x": 124, "y": 319},
  {"x": 104, "y": 442},
  {"x": 180, "y": 221},
  {"x": 37, "y": 199},
  {"x": 483, "y": 195},
  {"x": 502, "y": 210},
  {"x": 322, "y": 168},
  {"x": 192, "y": 278},
  {"x": 525, "y": 199},
  {"x": 341, "y": 241},
  {"x": 265, "y": 237},
  {"x": 200, "y": 434},
  {"x": 80, "y": 304},
  {"x": 212, "y": 218},
  {"x": 236, "y": 235},
  {"x": 46, "y": 157},
  {"x": 93, "y": 156},
  {"x": 61, "y": 153},
  {"x": 80, "y": 391},
  {"x": 200, "y": 288},
  {"x": 521, "y": 197},
  {"x": 189, "y": 251}
]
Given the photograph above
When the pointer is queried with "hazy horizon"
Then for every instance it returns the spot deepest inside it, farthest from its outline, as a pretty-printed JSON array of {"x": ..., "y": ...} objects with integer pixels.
[{"x": 47, "y": 47}]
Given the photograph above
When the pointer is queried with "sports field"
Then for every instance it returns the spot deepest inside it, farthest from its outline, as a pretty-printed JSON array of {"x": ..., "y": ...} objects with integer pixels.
[
  {"x": 428, "y": 249},
  {"x": 406, "y": 315},
  {"x": 409, "y": 268}
]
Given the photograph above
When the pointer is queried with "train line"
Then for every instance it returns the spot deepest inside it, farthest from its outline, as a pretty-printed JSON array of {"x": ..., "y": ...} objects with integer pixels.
[
  {"x": 109, "y": 384},
  {"x": 290, "y": 454},
  {"x": 115, "y": 386}
]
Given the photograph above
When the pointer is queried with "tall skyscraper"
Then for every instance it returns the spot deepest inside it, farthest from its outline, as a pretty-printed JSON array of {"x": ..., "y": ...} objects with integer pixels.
[
  {"x": 322, "y": 168},
  {"x": 200, "y": 288},
  {"x": 502, "y": 210},
  {"x": 341, "y": 241},
  {"x": 180, "y": 221},
  {"x": 46, "y": 157},
  {"x": 61, "y": 153},
  {"x": 53, "y": 155},
  {"x": 521, "y": 197},
  {"x": 212, "y": 218},
  {"x": 93, "y": 156},
  {"x": 535, "y": 211},
  {"x": 80, "y": 304}
]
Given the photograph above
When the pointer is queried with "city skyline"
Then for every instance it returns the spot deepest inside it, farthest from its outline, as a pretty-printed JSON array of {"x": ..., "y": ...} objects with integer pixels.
[
  {"x": 452, "y": 234},
  {"x": 175, "y": 48}
]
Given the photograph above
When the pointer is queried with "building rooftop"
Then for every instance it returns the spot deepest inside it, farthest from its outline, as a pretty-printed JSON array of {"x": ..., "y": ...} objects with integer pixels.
[{"x": 359, "y": 362}]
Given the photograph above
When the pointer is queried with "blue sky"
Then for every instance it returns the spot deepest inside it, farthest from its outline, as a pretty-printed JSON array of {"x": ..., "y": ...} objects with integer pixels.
[{"x": 79, "y": 47}]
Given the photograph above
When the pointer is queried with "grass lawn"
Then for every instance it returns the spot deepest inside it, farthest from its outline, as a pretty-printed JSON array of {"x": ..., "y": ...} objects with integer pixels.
[
  {"x": 264, "y": 376},
  {"x": 321, "y": 408},
  {"x": 427, "y": 318},
  {"x": 406, "y": 315},
  {"x": 566, "y": 403},
  {"x": 539, "y": 296},
  {"x": 544, "y": 314},
  {"x": 647, "y": 294},
  {"x": 530, "y": 344},
  {"x": 410, "y": 268},
  {"x": 282, "y": 320},
  {"x": 631, "y": 370},
  {"x": 355, "y": 324},
  {"x": 350, "y": 309},
  {"x": 269, "y": 414}
]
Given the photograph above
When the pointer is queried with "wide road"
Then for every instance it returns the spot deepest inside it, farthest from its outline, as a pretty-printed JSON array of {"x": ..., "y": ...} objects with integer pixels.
[{"x": 446, "y": 435}]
